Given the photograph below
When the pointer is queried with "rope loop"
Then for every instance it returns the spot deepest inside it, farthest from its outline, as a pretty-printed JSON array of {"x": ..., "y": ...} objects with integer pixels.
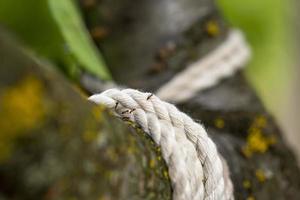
[{"x": 196, "y": 169}]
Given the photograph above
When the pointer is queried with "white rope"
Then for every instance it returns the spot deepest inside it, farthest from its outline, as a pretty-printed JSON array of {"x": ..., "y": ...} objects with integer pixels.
[
  {"x": 208, "y": 71},
  {"x": 196, "y": 169}
]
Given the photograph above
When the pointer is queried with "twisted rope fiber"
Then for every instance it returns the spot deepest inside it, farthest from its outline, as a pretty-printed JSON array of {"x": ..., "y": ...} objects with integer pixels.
[
  {"x": 222, "y": 62},
  {"x": 196, "y": 169}
]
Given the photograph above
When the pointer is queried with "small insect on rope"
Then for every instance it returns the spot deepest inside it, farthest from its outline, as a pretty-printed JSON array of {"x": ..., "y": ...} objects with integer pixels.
[{"x": 196, "y": 169}]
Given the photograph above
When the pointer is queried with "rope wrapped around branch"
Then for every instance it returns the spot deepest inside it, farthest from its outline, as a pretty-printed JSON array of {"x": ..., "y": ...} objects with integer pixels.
[
  {"x": 230, "y": 56},
  {"x": 196, "y": 169}
]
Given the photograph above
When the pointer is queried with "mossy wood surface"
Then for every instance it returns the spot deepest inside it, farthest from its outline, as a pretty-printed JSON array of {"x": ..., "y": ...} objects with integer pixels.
[{"x": 56, "y": 145}]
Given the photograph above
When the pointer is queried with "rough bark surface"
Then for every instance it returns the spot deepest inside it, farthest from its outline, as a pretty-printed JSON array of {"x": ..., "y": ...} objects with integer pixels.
[
  {"x": 145, "y": 43},
  {"x": 56, "y": 145}
]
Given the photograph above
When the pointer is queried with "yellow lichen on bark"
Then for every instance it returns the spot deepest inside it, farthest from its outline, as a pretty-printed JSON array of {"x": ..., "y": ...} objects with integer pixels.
[
  {"x": 21, "y": 109},
  {"x": 250, "y": 198},
  {"x": 91, "y": 132},
  {"x": 257, "y": 142},
  {"x": 212, "y": 28},
  {"x": 219, "y": 123},
  {"x": 97, "y": 112},
  {"x": 246, "y": 184},
  {"x": 260, "y": 175}
]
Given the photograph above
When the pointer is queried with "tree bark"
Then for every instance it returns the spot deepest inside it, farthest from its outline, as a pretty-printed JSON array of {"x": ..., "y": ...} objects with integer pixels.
[
  {"x": 146, "y": 43},
  {"x": 56, "y": 145}
]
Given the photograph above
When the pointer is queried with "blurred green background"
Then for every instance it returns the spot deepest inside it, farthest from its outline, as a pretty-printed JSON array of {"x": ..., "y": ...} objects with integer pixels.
[{"x": 268, "y": 25}]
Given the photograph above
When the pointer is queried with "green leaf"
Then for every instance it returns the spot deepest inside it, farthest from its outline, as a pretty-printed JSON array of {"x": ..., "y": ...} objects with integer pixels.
[
  {"x": 68, "y": 19},
  {"x": 33, "y": 25}
]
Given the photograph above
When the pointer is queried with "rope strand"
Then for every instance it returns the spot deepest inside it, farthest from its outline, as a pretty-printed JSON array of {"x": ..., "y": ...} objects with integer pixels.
[
  {"x": 196, "y": 169},
  {"x": 224, "y": 61}
]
